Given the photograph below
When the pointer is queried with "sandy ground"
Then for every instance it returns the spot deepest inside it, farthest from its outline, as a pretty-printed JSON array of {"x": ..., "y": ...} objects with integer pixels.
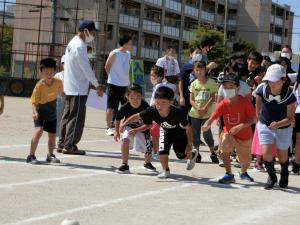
[{"x": 87, "y": 189}]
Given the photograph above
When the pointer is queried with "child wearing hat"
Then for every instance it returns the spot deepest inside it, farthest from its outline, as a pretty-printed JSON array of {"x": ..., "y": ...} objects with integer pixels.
[
  {"x": 275, "y": 108},
  {"x": 239, "y": 115}
]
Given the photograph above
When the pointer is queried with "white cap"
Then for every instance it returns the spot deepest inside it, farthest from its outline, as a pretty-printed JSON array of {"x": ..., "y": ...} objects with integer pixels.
[
  {"x": 62, "y": 60},
  {"x": 274, "y": 73},
  {"x": 70, "y": 222},
  {"x": 197, "y": 58}
]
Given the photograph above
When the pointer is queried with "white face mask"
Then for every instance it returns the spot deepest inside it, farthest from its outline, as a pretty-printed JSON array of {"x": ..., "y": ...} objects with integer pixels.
[
  {"x": 286, "y": 55},
  {"x": 88, "y": 37},
  {"x": 229, "y": 93},
  {"x": 154, "y": 81}
]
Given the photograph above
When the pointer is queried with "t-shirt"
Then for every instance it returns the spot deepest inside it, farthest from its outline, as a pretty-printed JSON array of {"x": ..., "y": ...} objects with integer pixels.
[
  {"x": 127, "y": 111},
  {"x": 271, "y": 109},
  {"x": 202, "y": 93},
  {"x": 174, "y": 122},
  {"x": 44, "y": 96},
  {"x": 171, "y": 66},
  {"x": 164, "y": 83},
  {"x": 78, "y": 73},
  {"x": 296, "y": 92},
  {"x": 235, "y": 113},
  {"x": 187, "y": 77},
  {"x": 119, "y": 71},
  {"x": 243, "y": 91}
]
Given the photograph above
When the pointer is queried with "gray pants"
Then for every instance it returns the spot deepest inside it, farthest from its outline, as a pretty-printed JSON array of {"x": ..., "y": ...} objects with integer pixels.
[
  {"x": 196, "y": 127},
  {"x": 60, "y": 102},
  {"x": 72, "y": 122}
]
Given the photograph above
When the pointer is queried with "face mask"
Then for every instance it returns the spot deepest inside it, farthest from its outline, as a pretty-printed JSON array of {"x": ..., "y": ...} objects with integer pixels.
[
  {"x": 286, "y": 55},
  {"x": 88, "y": 37},
  {"x": 229, "y": 93},
  {"x": 154, "y": 81}
]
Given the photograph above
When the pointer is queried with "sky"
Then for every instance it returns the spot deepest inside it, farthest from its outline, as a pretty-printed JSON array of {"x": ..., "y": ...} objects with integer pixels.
[{"x": 295, "y": 7}]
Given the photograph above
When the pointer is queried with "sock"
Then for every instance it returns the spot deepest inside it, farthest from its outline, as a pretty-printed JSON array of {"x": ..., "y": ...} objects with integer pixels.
[
  {"x": 270, "y": 169},
  {"x": 285, "y": 167}
]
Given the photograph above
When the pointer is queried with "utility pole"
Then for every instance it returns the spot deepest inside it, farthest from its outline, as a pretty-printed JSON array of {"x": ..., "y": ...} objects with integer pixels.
[
  {"x": 38, "y": 42},
  {"x": 76, "y": 16},
  {"x": 225, "y": 23},
  {"x": 2, "y": 31},
  {"x": 53, "y": 34}
]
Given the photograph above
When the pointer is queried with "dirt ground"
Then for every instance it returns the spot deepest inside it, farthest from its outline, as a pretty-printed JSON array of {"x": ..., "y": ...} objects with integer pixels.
[{"x": 87, "y": 189}]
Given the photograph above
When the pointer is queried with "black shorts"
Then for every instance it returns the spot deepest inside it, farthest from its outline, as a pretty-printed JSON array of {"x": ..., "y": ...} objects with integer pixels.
[
  {"x": 297, "y": 122},
  {"x": 178, "y": 140},
  {"x": 115, "y": 95},
  {"x": 48, "y": 126}
]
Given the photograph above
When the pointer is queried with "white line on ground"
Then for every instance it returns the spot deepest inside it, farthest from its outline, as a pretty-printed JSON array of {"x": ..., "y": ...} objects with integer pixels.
[{"x": 98, "y": 205}]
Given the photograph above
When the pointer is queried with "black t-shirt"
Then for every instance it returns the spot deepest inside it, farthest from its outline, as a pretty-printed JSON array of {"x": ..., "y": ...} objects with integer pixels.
[
  {"x": 127, "y": 111},
  {"x": 273, "y": 111},
  {"x": 174, "y": 122}
]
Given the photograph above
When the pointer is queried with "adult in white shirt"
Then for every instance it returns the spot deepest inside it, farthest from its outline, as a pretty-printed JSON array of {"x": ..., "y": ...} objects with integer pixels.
[
  {"x": 169, "y": 62},
  {"x": 117, "y": 68},
  {"x": 78, "y": 75}
]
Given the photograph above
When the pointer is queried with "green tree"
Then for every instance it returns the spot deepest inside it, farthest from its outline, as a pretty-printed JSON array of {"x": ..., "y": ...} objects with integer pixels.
[{"x": 6, "y": 42}]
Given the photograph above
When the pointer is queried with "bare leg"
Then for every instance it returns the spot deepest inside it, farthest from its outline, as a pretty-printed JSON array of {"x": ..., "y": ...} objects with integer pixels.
[
  {"x": 297, "y": 148},
  {"x": 226, "y": 160},
  {"x": 125, "y": 151},
  {"x": 35, "y": 139},
  {"x": 155, "y": 142},
  {"x": 109, "y": 113},
  {"x": 164, "y": 161},
  {"x": 51, "y": 142},
  {"x": 147, "y": 158}
]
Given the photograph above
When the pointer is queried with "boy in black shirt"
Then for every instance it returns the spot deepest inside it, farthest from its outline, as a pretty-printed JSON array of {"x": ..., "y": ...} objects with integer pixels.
[
  {"x": 175, "y": 129},
  {"x": 140, "y": 141}
]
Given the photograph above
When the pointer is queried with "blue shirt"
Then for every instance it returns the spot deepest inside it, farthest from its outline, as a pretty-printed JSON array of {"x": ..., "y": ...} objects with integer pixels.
[{"x": 273, "y": 111}]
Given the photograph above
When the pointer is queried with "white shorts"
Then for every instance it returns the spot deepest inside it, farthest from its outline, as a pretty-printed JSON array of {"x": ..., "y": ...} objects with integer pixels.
[
  {"x": 139, "y": 142},
  {"x": 282, "y": 138}
]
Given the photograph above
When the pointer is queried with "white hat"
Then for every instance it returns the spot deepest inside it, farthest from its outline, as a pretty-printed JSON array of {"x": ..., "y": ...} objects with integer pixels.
[
  {"x": 70, "y": 222},
  {"x": 62, "y": 60},
  {"x": 197, "y": 58},
  {"x": 274, "y": 73}
]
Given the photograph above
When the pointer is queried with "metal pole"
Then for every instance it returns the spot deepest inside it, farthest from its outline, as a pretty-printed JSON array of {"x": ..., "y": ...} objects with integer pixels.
[
  {"x": 39, "y": 36},
  {"x": 76, "y": 17},
  {"x": 53, "y": 34},
  {"x": 2, "y": 31},
  {"x": 225, "y": 23}
]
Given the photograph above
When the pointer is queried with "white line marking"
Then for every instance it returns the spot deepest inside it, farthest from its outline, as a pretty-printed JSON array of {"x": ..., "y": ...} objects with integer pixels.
[{"x": 98, "y": 205}]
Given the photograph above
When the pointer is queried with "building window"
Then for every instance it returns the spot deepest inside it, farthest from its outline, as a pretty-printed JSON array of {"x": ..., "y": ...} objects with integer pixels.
[
  {"x": 287, "y": 14},
  {"x": 111, "y": 4},
  {"x": 285, "y": 32}
]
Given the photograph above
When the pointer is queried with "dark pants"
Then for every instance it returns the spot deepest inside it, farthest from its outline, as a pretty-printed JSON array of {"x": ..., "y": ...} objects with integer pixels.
[{"x": 72, "y": 122}]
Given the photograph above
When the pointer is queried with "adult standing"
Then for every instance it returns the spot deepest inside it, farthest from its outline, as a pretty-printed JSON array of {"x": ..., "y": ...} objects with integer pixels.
[
  {"x": 78, "y": 75},
  {"x": 117, "y": 68}
]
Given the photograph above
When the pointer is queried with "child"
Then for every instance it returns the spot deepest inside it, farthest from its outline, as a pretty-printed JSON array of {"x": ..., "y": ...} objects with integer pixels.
[
  {"x": 43, "y": 100},
  {"x": 175, "y": 130},
  {"x": 238, "y": 114},
  {"x": 296, "y": 161},
  {"x": 141, "y": 140},
  {"x": 275, "y": 108},
  {"x": 202, "y": 95}
]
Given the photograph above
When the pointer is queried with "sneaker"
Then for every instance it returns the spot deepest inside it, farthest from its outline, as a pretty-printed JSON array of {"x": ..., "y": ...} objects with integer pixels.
[
  {"x": 246, "y": 176},
  {"x": 123, "y": 169},
  {"x": 110, "y": 132},
  {"x": 296, "y": 167},
  {"x": 32, "y": 159},
  {"x": 270, "y": 183},
  {"x": 155, "y": 155},
  {"x": 199, "y": 158},
  {"x": 259, "y": 166},
  {"x": 73, "y": 152},
  {"x": 227, "y": 179},
  {"x": 191, "y": 162},
  {"x": 148, "y": 166},
  {"x": 214, "y": 158},
  {"x": 52, "y": 159},
  {"x": 221, "y": 163},
  {"x": 284, "y": 180},
  {"x": 164, "y": 174}
]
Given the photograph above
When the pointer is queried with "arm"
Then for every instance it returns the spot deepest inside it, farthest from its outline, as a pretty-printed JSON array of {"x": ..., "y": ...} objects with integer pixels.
[
  {"x": 210, "y": 101},
  {"x": 258, "y": 106},
  {"x": 189, "y": 134},
  {"x": 207, "y": 124},
  {"x": 142, "y": 128},
  {"x": 181, "y": 99},
  {"x": 243, "y": 125},
  {"x": 111, "y": 59},
  {"x": 117, "y": 130},
  {"x": 286, "y": 121},
  {"x": 35, "y": 114},
  {"x": 131, "y": 119},
  {"x": 1, "y": 104}
]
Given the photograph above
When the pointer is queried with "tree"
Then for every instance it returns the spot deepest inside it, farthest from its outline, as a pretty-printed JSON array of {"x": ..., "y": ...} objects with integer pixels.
[{"x": 6, "y": 42}]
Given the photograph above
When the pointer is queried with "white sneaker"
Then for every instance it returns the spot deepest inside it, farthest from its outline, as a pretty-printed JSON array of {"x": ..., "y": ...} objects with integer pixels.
[
  {"x": 192, "y": 162},
  {"x": 164, "y": 174},
  {"x": 110, "y": 132}
]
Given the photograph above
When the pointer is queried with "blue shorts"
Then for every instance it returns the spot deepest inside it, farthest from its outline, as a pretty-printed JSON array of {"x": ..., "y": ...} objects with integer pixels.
[{"x": 282, "y": 138}]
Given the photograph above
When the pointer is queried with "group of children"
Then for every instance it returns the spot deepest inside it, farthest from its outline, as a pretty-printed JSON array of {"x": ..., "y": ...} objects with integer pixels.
[{"x": 243, "y": 99}]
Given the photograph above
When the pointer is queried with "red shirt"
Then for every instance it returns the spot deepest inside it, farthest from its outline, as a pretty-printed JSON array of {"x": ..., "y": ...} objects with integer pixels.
[{"x": 234, "y": 114}]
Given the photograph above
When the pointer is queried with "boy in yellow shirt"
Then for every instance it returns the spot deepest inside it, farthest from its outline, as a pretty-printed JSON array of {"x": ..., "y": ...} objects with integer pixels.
[{"x": 43, "y": 100}]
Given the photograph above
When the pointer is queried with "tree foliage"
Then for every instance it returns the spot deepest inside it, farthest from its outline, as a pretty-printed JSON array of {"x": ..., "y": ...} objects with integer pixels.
[{"x": 6, "y": 41}]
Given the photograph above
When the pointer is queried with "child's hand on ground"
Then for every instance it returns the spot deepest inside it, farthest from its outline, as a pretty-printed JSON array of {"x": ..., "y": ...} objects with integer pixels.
[
  {"x": 235, "y": 129},
  {"x": 117, "y": 136}
]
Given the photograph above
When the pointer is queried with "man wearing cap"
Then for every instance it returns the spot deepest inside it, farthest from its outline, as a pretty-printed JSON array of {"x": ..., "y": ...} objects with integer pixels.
[{"x": 78, "y": 75}]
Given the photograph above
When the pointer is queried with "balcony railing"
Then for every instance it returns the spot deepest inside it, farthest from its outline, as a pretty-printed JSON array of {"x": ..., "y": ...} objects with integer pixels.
[
  {"x": 151, "y": 26},
  {"x": 130, "y": 21},
  {"x": 134, "y": 51},
  {"x": 174, "y": 5},
  {"x": 207, "y": 16},
  {"x": 275, "y": 38},
  {"x": 276, "y": 20},
  {"x": 171, "y": 31},
  {"x": 231, "y": 22},
  {"x": 149, "y": 53},
  {"x": 155, "y": 2},
  {"x": 191, "y": 11},
  {"x": 187, "y": 35}
]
